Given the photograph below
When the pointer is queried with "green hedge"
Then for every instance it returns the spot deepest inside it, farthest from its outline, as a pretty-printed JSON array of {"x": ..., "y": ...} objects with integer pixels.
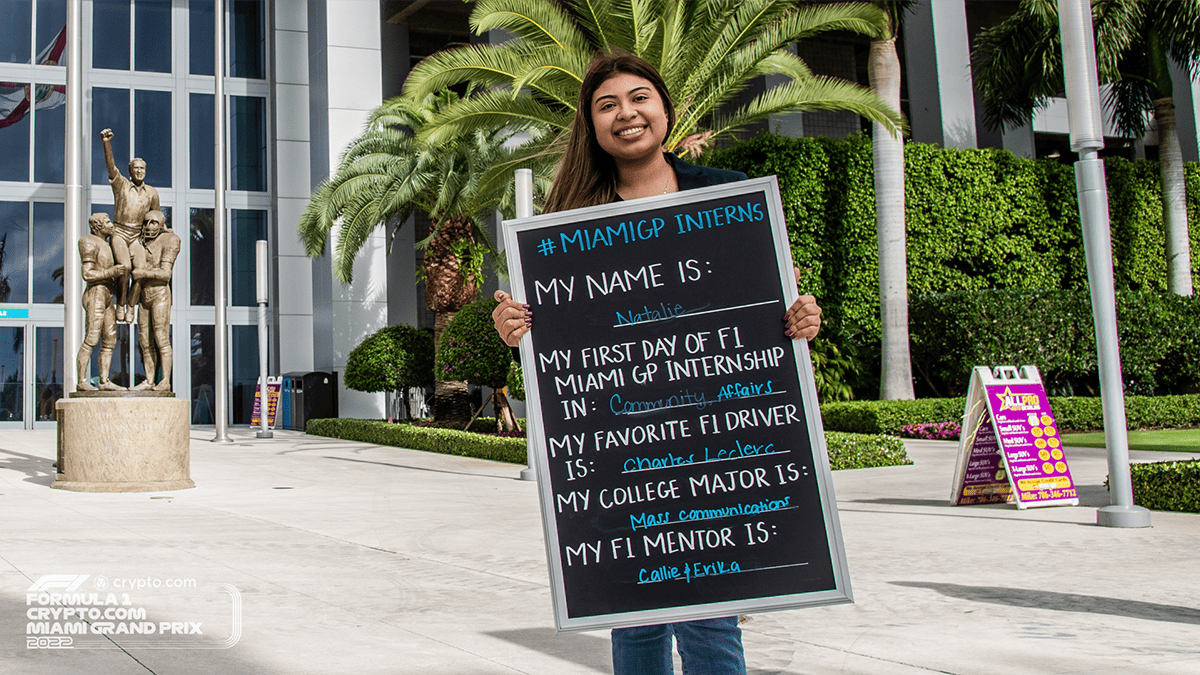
[
  {"x": 1167, "y": 486},
  {"x": 1073, "y": 413},
  {"x": 846, "y": 451},
  {"x": 863, "y": 451},
  {"x": 1159, "y": 337},
  {"x": 443, "y": 441},
  {"x": 975, "y": 220},
  {"x": 886, "y": 417}
]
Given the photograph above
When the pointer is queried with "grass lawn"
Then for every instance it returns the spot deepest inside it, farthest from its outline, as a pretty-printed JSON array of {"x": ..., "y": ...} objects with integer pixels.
[{"x": 1171, "y": 440}]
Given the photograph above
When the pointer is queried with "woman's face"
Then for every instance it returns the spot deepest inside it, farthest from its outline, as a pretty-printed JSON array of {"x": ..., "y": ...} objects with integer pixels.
[{"x": 629, "y": 117}]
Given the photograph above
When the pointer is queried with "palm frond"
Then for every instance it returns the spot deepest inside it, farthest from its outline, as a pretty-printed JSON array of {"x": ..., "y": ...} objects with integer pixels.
[
  {"x": 539, "y": 24},
  {"x": 483, "y": 65},
  {"x": 783, "y": 63},
  {"x": 1017, "y": 64},
  {"x": 818, "y": 93},
  {"x": 493, "y": 110},
  {"x": 556, "y": 75},
  {"x": 1179, "y": 22}
]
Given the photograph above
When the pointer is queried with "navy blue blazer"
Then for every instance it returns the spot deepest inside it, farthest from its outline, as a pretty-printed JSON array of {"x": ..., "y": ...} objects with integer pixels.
[{"x": 691, "y": 176}]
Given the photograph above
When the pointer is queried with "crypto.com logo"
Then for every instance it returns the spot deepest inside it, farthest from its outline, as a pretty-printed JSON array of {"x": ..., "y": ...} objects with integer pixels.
[{"x": 60, "y": 615}]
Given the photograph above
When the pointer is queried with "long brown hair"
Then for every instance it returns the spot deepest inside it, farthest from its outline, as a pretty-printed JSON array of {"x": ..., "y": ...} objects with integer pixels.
[{"x": 587, "y": 175}]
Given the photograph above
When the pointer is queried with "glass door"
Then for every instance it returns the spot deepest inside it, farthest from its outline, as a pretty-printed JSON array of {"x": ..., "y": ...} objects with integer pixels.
[
  {"x": 12, "y": 376},
  {"x": 31, "y": 375},
  {"x": 47, "y": 382}
]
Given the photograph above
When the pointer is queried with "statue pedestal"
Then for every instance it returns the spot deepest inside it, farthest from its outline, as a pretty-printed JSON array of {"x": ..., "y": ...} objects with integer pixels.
[{"x": 123, "y": 443}]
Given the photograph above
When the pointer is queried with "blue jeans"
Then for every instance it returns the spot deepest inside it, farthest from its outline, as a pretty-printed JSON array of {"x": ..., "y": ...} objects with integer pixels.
[{"x": 706, "y": 647}]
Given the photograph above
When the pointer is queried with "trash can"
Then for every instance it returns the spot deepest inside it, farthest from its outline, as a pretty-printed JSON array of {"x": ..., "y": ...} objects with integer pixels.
[
  {"x": 284, "y": 416},
  {"x": 312, "y": 396}
]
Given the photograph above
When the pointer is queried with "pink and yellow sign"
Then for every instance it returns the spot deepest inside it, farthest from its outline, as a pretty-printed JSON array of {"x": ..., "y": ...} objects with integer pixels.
[
  {"x": 985, "y": 480},
  {"x": 1010, "y": 449},
  {"x": 274, "y": 384},
  {"x": 1028, "y": 437}
]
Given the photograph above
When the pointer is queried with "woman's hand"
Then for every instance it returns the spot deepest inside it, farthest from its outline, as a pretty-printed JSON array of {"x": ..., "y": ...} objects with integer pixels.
[
  {"x": 512, "y": 319},
  {"x": 803, "y": 318}
]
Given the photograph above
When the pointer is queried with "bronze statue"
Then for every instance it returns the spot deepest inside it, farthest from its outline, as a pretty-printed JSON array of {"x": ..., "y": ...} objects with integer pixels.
[
  {"x": 153, "y": 262},
  {"x": 99, "y": 313},
  {"x": 132, "y": 201}
]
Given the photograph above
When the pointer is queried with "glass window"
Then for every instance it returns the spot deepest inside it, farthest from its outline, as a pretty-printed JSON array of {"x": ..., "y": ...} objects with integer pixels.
[
  {"x": 47, "y": 270},
  {"x": 48, "y": 364},
  {"x": 247, "y": 228},
  {"x": 110, "y": 34},
  {"x": 51, "y": 37},
  {"x": 49, "y": 133},
  {"x": 152, "y": 36},
  {"x": 12, "y": 367},
  {"x": 152, "y": 134},
  {"x": 244, "y": 375},
  {"x": 14, "y": 253},
  {"x": 203, "y": 374},
  {"x": 110, "y": 110},
  {"x": 16, "y": 17},
  {"x": 14, "y": 131},
  {"x": 248, "y": 147},
  {"x": 202, "y": 257},
  {"x": 201, "y": 135},
  {"x": 201, "y": 37},
  {"x": 247, "y": 44}
]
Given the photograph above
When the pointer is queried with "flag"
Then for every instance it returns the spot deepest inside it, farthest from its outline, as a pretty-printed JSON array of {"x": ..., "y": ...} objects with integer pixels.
[{"x": 14, "y": 105}]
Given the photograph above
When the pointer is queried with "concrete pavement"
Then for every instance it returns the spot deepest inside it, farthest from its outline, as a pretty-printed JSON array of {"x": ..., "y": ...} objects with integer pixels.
[{"x": 352, "y": 558}]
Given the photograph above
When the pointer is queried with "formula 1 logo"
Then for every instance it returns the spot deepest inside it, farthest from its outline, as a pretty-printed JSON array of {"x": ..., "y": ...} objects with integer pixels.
[{"x": 63, "y": 582}]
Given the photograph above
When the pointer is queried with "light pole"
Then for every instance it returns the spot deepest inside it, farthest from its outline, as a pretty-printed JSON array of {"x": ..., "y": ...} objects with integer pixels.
[
  {"x": 261, "y": 289},
  {"x": 220, "y": 353},
  {"x": 74, "y": 198},
  {"x": 524, "y": 199},
  {"x": 1087, "y": 138}
]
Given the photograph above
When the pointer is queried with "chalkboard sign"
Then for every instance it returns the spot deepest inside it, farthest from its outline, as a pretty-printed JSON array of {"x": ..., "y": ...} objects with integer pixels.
[
  {"x": 674, "y": 427},
  {"x": 1009, "y": 448}
]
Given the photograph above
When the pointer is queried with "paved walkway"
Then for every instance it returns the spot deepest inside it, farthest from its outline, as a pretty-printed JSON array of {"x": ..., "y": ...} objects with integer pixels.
[{"x": 356, "y": 559}]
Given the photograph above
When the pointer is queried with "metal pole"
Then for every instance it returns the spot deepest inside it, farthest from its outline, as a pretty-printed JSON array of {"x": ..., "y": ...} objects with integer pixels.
[
  {"x": 220, "y": 353},
  {"x": 260, "y": 286},
  {"x": 524, "y": 188},
  {"x": 73, "y": 223},
  {"x": 1083, "y": 101}
]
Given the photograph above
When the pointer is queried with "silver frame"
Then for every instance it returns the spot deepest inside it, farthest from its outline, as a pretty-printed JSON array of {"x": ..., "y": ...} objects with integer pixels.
[{"x": 841, "y": 593}]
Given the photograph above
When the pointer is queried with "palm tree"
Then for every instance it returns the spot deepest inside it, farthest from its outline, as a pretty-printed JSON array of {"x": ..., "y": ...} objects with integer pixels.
[
  {"x": 1018, "y": 68},
  {"x": 883, "y": 68},
  {"x": 708, "y": 52},
  {"x": 387, "y": 174}
]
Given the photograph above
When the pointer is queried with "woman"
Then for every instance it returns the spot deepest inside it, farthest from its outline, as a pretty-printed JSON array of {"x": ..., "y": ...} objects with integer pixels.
[{"x": 614, "y": 152}]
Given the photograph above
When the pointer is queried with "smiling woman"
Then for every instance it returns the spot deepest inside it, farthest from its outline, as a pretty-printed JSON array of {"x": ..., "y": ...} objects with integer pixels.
[
  {"x": 614, "y": 153},
  {"x": 615, "y": 148}
]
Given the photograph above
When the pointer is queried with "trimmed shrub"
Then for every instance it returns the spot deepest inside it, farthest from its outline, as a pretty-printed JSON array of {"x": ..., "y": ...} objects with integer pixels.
[
  {"x": 1072, "y": 413},
  {"x": 443, "y": 441},
  {"x": 1054, "y": 330},
  {"x": 473, "y": 352},
  {"x": 846, "y": 451},
  {"x": 888, "y": 417},
  {"x": 470, "y": 349},
  {"x": 975, "y": 220},
  {"x": 862, "y": 451},
  {"x": 392, "y": 358},
  {"x": 1167, "y": 486},
  {"x": 516, "y": 382}
]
